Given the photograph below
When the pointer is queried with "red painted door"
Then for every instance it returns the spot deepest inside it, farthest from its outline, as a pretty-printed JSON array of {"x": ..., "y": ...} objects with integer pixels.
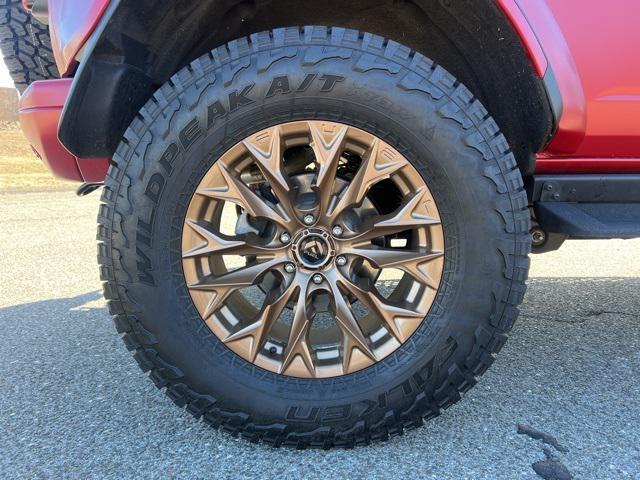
[{"x": 604, "y": 41}]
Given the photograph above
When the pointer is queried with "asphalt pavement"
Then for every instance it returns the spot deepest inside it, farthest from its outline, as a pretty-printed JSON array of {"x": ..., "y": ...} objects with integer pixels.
[{"x": 73, "y": 403}]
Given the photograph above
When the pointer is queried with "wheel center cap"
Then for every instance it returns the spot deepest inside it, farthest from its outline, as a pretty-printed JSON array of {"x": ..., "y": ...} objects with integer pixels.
[{"x": 313, "y": 248}]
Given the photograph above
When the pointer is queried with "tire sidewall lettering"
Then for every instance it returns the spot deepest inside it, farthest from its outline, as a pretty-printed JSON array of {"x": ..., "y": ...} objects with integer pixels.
[{"x": 192, "y": 132}]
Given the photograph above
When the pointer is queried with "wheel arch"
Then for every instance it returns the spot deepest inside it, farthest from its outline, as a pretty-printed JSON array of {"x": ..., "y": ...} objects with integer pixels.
[{"x": 137, "y": 48}]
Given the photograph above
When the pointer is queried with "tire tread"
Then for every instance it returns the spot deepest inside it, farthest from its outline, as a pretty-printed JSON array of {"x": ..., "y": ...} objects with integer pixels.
[{"x": 26, "y": 46}]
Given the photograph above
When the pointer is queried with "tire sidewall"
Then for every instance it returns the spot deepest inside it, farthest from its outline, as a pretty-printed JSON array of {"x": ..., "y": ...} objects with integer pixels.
[{"x": 183, "y": 141}]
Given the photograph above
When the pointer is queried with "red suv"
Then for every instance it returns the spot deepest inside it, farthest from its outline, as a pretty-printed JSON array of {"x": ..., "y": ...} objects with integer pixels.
[{"x": 318, "y": 236}]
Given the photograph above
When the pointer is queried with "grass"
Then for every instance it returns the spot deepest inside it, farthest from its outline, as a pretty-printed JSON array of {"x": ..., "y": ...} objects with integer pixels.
[{"x": 20, "y": 169}]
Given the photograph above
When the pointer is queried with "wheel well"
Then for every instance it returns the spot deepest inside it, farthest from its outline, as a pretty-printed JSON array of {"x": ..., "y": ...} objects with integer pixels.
[{"x": 470, "y": 38}]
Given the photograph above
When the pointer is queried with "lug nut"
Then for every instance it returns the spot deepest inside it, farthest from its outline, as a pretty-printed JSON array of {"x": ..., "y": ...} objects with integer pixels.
[
  {"x": 309, "y": 219},
  {"x": 341, "y": 261},
  {"x": 285, "y": 237},
  {"x": 538, "y": 237},
  {"x": 317, "y": 279},
  {"x": 337, "y": 231},
  {"x": 290, "y": 268}
]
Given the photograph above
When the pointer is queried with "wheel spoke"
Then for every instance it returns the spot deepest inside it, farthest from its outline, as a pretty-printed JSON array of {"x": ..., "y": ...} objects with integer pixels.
[
  {"x": 328, "y": 144},
  {"x": 266, "y": 149},
  {"x": 259, "y": 329},
  {"x": 216, "y": 244},
  {"x": 389, "y": 314},
  {"x": 237, "y": 192},
  {"x": 224, "y": 285},
  {"x": 410, "y": 215},
  {"x": 379, "y": 163},
  {"x": 409, "y": 261},
  {"x": 346, "y": 320},
  {"x": 298, "y": 341}
]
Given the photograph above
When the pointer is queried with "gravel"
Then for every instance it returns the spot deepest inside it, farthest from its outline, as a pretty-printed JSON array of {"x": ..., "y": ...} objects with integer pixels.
[{"x": 74, "y": 404}]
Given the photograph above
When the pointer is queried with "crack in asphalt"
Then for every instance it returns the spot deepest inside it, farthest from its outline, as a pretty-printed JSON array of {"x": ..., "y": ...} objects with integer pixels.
[
  {"x": 551, "y": 468},
  {"x": 597, "y": 313},
  {"x": 581, "y": 317},
  {"x": 540, "y": 435}
]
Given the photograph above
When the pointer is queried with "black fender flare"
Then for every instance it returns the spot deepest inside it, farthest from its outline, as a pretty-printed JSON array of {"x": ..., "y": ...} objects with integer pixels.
[
  {"x": 136, "y": 47},
  {"x": 140, "y": 44}
]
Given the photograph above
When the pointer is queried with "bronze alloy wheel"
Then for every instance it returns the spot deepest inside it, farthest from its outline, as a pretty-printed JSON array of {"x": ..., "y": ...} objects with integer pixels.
[{"x": 312, "y": 249}]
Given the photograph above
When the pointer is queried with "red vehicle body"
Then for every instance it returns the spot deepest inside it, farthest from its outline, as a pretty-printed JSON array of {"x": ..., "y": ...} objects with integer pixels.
[
  {"x": 599, "y": 85},
  {"x": 597, "y": 132}
]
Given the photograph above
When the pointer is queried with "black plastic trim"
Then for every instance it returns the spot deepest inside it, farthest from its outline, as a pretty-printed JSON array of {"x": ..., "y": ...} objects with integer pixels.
[
  {"x": 551, "y": 86},
  {"x": 555, "y": 98},
  {"x": 83, "y": 120},
  {"x": 587, "y": 206},
  {"x": 590, "y": 220},
  {"x": 586, "y": 188}
]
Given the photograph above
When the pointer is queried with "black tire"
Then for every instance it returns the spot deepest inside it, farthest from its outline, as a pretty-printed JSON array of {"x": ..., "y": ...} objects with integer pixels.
[
  {"x": 388, "y": 90},
  {"x": 26, "y": 46}
]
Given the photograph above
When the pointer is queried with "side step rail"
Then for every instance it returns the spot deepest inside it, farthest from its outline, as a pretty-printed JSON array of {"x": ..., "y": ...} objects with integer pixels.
[{"x": 584, "y": 207}]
